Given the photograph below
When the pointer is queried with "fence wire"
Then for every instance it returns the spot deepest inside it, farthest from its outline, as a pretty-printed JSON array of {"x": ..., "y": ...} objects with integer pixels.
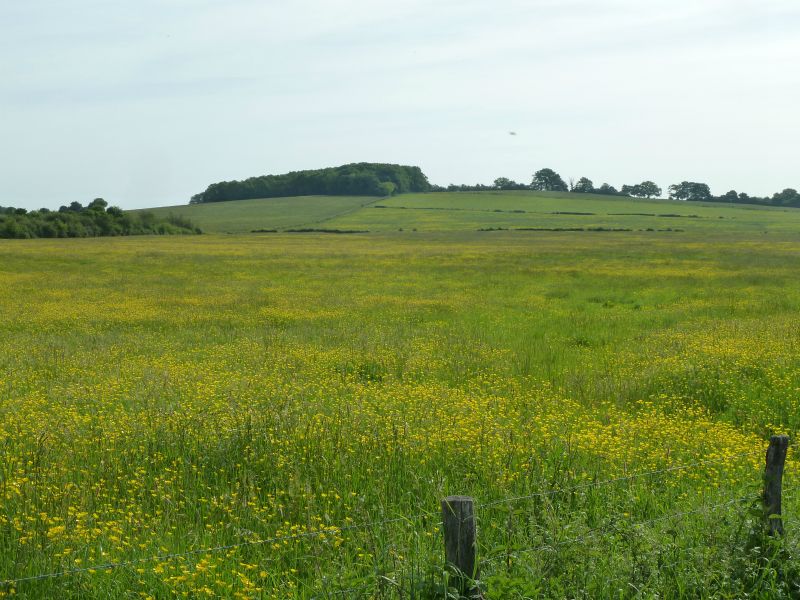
[
  {"x": 327, "y": 530},
  {"x": 630, "y": 477},
  {"x": 613, "y": 526}
]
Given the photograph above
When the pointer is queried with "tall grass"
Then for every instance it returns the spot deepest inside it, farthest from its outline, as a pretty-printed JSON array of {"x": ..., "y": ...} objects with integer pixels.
[{"x": 163, "y": 396}]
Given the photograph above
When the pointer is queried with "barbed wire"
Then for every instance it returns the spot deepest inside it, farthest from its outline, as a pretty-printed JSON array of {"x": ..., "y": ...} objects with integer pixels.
[
  {"x": 370, "y": 524},
  {"x": 343, "y": 592},
  {"x": 327, "y": 530},
  {"x": 615, "y": 480},
  {"x": 614, "y": 525}
]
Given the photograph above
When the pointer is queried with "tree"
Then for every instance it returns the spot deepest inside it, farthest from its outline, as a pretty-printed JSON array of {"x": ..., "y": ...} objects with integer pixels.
[
  {"x": 352, "y": 179},
  {"x": 549, "y": 181},
  {"x": 788, "y": 197},
  {"x": 646, "y": 189},
  {"x": 91, "y": 221},
  {"x": 690, "y": 190},
  {"x": 584, "y": 186},
  {"x": 649, "y": 189},
  {"x": 607, "y": 190},
  {"x": 387, "y": 188},
  {"x": 504, "y": 183},
  {"x": 73, "y": 207},
  {"x": 97, "y": 204}
]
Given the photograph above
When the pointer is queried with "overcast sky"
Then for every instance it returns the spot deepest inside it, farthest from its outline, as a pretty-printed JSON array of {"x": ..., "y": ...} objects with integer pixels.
[{"x": 145, "y": 103}]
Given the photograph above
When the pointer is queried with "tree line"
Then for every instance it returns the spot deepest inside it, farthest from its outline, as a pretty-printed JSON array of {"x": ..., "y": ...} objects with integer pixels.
[
  {"x": 693, "y": 191},
  {"x": 357, "y": 179},
  {"x": 548, "y": 180},
  {"x": 94, "y": 220},
  {"x": 381, "y": 179}
]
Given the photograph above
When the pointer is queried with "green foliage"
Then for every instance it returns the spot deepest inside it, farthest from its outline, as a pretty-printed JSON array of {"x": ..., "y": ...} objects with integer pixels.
[
  {"x": 357, "y": 179},
  {"x": 788, "y": 197},
  {"x": 549, "y": 181},
  {"x": 387, "y": 188},
  {"x": 505, "y": 184},
  {"x": 584, "y": 186},
  {"x": 95, "y": 220},
  {"x": 690, "y": 190},
  {"x": 646, "y": 189},
  {"x": 608, "y": 190}
]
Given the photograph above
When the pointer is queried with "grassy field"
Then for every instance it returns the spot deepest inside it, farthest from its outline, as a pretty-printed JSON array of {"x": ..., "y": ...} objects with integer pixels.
[
  {"x": 278, "y": 416},
  {"x": 473, "y": 211},
  {"x": 244, "y": 216},
  {"x": 548, "y": 210}
]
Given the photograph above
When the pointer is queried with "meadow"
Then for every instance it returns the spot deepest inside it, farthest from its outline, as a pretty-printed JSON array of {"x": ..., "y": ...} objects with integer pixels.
[
  {"x": 245, "y": 216},
  {"x": 278, "y": 415},
  {"x": 472, "y": 211}
]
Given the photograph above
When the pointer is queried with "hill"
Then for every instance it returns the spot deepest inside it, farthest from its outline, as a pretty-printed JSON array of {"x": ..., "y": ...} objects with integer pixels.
[
  {"x": 244, "y": 216},
  {"x": 471, "y": 211},
  {"x": 356, "y": 179}
]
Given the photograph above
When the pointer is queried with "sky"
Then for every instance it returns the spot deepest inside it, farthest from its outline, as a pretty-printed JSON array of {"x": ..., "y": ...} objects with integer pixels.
[{"x": 146, "y": 103}]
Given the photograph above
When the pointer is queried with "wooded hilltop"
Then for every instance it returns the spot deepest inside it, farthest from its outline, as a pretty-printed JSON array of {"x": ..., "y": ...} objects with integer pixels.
[
  {"x": 357, "y": 179},
  {"x": 380, "y": 179}
]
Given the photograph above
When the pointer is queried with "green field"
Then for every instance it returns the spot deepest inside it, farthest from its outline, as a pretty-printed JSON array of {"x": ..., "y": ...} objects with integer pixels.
[
  {"x": 278, "y": 415},
  {"x": 484, "y": 210},
  {"x": 471, "y": 211},
  {"x": 244, "y": 216}
]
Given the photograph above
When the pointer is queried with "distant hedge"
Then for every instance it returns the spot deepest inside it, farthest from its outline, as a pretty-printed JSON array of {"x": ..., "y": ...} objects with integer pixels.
[
  {"x": 357, "y": 179},
  {"x": 95, "y": 220}
]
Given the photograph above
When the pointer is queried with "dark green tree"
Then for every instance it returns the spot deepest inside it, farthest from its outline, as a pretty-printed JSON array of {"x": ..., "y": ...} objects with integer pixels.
[
  {"x": 649, "y": 189},
  {"x": 607, "y": 190},
  {"x": 788, "y": 197},
  {"x": 504, "y": 183},
  {"x": 94, "y": 220},
  {"x": 549, "y": 181},
  {"x": 584, "y": 186},
  {"x": 646, "y": 189},
  {"x": 690, "y": 190},
  {"x": 362, "y": 179},
  {"x": 97, "y": 204}
]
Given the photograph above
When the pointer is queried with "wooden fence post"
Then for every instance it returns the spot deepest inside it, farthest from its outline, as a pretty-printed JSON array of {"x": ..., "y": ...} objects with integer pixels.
[
  {"x": 773, "y": 476},
  {"x": 458, "y": 520}
]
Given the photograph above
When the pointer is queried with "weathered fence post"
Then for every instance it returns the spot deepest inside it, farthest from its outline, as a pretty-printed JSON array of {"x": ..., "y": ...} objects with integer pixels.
[
  {"x": 773, "y": 476},
  {"x": 458, "y": 520}
]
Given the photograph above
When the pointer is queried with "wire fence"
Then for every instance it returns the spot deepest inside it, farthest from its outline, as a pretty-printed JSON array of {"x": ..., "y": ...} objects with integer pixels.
[
  {"x": 321, "y": 532},
  {"x": 614, "y": 525},
  {"x": 630, "y": 477},
  {"x": 329, "y": 530}
]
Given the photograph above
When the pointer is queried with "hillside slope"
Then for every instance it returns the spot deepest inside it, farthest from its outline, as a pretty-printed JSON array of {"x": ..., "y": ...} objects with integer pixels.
[
  {"x": 468, "y": 211},
  {"x": 244, "y": 216}
]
